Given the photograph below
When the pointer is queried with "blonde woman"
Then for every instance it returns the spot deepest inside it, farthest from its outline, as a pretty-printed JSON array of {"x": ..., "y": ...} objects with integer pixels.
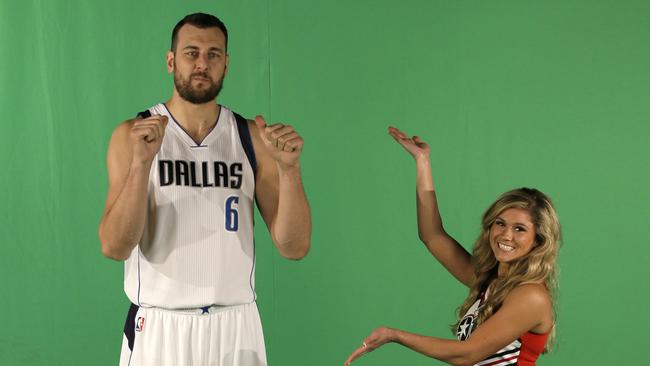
[{"x": 508, "y": 317}]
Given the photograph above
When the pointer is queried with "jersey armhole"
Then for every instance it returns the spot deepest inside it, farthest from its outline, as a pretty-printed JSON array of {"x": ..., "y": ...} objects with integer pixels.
[
  {"x": 144, "y": 114},
  {"x": 246, "y": 141}
]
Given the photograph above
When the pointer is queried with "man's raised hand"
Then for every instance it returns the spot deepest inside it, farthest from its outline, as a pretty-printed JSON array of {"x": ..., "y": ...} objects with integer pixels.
[
  {"x": 282, "y": 141},
  {"x": 146, "y": 137}
]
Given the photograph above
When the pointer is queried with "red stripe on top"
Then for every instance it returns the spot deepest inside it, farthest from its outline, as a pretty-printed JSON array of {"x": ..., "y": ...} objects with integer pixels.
[{"x": 532, "y": 345}]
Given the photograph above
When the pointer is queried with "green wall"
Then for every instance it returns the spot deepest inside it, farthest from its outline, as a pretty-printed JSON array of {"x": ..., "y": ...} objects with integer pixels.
[{"x": 550, "y": 94}]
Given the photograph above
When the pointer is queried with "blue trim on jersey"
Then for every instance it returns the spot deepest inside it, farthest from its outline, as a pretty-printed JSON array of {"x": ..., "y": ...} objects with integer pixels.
[
  {"x": 139, "y": 277},
  {"x": 246, "y": 141},
  {"x": 253, "y": 269},
  {"x": 143, "y": 114},
  {"x": 198, "y": 143},
  {"x": 247, "y": 144}
]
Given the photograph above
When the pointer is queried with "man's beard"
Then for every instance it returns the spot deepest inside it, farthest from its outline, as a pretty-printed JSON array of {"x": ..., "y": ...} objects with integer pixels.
[{"x": 194, "y": 96}]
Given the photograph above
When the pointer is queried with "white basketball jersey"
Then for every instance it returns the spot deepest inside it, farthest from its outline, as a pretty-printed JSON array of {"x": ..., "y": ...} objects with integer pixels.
[{"x": 197, "y": 248}]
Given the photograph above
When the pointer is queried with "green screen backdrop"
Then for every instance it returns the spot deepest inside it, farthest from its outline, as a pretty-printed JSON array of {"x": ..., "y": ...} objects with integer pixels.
[{"x": 550, "y": 94}]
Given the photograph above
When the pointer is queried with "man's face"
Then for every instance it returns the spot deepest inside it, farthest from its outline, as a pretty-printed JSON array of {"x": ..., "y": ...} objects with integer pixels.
[{"x": 199, "y": 63}]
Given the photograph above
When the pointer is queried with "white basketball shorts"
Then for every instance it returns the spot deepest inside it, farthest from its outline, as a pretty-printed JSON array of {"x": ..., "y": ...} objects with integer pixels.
[{"x": 214, "y": 336}]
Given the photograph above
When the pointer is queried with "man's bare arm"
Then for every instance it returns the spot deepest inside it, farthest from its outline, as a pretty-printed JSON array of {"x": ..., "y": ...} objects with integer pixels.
[
  {"x": 133, "y": 146},
  {"x": 279, "y": 189}
]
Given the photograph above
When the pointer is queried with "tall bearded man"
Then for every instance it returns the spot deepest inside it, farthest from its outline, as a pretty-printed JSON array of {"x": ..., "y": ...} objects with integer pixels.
[{"x": 183, "y": 177}]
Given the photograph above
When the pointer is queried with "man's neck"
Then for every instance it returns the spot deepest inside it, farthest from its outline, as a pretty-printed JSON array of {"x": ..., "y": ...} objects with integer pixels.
[{"x": 196, "y": 119}]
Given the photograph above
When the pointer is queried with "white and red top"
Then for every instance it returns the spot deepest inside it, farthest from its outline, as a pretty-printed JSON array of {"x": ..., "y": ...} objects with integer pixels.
[{"x": 523, "y": 351}]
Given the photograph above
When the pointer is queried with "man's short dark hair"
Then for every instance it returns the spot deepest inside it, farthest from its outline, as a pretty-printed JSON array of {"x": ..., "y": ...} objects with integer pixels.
[{"x": 199, "y": 20}]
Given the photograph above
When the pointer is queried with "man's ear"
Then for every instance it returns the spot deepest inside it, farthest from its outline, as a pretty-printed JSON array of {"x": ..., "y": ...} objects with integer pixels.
[{"x": 170, "y": 61}]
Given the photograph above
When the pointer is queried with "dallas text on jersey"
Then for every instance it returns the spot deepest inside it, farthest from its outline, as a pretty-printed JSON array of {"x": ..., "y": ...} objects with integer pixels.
[{"x": 213, "y": 174}]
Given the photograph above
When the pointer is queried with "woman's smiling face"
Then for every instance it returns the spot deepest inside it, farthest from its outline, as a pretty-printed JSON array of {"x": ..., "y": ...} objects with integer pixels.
[{"x": 512, "y": 236}]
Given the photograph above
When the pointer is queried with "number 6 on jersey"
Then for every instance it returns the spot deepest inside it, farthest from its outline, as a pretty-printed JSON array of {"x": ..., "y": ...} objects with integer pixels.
[{"x": 232, "y": 216}]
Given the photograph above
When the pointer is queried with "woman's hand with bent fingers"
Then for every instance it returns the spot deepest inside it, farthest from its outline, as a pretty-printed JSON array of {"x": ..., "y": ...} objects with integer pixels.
[{"x": 414, "y": 145}]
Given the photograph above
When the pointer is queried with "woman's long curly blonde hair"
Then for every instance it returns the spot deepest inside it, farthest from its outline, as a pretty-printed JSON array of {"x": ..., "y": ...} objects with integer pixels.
[{"x": 538, "y": 266}]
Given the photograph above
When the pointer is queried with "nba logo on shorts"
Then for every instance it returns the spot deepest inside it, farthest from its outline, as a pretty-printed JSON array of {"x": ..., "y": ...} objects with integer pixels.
[{"x": 139, "y": 325}]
